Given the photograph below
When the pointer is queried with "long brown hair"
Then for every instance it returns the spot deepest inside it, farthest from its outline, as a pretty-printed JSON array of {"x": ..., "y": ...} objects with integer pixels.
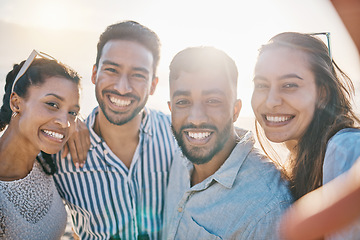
[{"x": 333, "y": 110}]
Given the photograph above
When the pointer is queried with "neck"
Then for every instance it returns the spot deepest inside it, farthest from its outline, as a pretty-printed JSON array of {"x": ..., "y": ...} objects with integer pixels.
[
  {"x": 17, "y": 155},
  {"x": 203, "y": 171},
  {"x": 111, "y": 132},
  {"x": 291, "y": 146},
  {"x": 122, "y": 139}
]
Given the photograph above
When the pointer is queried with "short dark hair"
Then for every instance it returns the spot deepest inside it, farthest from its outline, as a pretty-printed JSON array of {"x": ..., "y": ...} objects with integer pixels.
[
  {"x": 131, "y": 31},
  {"x": 194, "y": 59}
]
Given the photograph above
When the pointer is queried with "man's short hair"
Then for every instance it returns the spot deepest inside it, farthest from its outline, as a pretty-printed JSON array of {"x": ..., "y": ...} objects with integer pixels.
[
  {"x": 131, "y": 31},
  {"x": 194, "y": 59}
]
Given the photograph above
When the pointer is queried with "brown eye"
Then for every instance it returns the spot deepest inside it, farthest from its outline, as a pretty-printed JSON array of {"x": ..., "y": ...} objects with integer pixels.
[
  {"x": 112, "y": 70},
  {"x": 73, "y": 113},
  {"x": 139, "y": 76},
  {"x": 213, "y": 101},
  {"x": 260, "y": 85},
  {"x": 182, "y": 102},
  {"x": 291, "y": 85},
  {"x": 52, "y": 104}
]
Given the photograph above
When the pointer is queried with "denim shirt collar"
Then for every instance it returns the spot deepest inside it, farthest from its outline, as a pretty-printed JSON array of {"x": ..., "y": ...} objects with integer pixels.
[{"x": 227, "y": 173}]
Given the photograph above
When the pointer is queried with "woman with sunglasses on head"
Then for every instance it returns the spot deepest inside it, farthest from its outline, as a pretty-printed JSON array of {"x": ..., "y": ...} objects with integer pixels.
[
  {"x": 40, "y": 106},
  {"x": 301, "y": 98}
]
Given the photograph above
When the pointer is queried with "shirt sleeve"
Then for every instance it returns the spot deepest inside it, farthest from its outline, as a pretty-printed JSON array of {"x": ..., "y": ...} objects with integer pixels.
[{"x": 341, "y": 153}]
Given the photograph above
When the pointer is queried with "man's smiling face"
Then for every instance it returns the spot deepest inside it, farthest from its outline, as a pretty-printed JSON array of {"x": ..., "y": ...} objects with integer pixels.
[
  {"x": 123, "y": 80},
  {"x": 202, "y": 108}
]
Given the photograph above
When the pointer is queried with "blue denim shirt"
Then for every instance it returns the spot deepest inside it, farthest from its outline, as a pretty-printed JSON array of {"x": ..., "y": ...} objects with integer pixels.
[
  {"x": 341, "y": 153},
  {"x": 242, "y": 200}
]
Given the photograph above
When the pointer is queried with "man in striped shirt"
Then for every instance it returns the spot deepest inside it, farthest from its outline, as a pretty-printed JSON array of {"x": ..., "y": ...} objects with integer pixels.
[{"x": 119, "y": 192}]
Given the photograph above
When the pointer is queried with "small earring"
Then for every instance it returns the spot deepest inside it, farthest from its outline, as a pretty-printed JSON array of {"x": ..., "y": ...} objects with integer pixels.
[{"x": 14, "y": 114}]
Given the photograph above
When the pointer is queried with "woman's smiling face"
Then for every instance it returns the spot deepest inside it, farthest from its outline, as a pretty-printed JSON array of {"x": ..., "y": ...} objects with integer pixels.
[
  {"x": 47, "y": 115},
  {"x": 285, "y": 94}
]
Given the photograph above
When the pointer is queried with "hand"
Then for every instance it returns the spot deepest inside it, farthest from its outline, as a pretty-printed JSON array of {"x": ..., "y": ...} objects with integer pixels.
[
  {"x": 74, "y": 235},
  {"x": 78, "y": 144}
]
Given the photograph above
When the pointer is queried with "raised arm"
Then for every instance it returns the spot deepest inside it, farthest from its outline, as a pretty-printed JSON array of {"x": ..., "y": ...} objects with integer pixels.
[{"x": 325, "y": 210}]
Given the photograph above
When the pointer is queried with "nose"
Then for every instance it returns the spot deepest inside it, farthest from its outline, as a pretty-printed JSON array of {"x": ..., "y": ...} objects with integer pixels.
[
  {"x": 62, "y": 120},
  {"x": 273, "y": 98},
  {"x": 123, "y": 85},
  {"x": 197, "y": 115}
]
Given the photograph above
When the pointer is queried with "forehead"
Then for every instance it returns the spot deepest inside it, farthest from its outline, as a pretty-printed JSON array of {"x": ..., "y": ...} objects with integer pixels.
[
  {"x": 127, "y": 52},
  {"x": 59, "y": 86},
  {"x": 201, "y": 81},
  {"x": 282, "y": 60}
]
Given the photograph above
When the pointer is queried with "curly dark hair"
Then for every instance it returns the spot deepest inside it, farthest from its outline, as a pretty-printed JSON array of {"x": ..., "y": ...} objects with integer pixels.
[{"x": 35, "y": 75}]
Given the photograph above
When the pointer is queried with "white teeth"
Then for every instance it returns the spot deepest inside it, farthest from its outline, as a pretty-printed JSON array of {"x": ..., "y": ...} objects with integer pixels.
[
  {"x": 199, "y": 135},
  {"x": 277, "y": 119},
  {"x": 120, "y": 103},
  {"x": 54, "y": 134}
]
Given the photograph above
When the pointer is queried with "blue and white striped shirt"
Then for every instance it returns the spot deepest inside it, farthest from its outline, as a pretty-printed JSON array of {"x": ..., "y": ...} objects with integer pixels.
[{"x": 105, "y": 198}]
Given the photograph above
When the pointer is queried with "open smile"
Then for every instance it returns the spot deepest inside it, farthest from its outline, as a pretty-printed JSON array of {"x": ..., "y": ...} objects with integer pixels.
[
  {"x": 277, "y": 120},
  {"x": 119, "y": 102},
  {"x": 55, "y": 136},
  {"x": 198, "y": 137}
]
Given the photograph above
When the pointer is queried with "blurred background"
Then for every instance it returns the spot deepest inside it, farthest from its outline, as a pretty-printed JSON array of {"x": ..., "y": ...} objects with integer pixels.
[{"x": 69, "y": 30}]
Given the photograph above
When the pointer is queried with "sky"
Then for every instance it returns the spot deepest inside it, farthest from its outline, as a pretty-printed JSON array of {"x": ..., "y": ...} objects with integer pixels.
[{"x": 69, "y": 30}]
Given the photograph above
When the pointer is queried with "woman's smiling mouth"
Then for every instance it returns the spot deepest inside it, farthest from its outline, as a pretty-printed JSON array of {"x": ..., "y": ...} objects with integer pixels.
[
  {"x": 55, "y": 135},
  {"x": 276, "y": 120}
]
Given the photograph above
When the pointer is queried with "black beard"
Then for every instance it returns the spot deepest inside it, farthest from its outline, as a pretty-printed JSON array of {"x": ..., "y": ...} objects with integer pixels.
[
  {"x": 193, "y": 154},
  {"x": 120, "y": 122}
]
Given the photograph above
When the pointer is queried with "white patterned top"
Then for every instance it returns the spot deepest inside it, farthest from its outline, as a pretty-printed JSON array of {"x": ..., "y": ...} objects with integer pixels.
[{"x": 31, "y": 208}]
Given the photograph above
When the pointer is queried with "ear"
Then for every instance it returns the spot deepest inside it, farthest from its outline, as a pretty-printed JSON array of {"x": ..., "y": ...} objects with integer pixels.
[
  {"x": 15, "y": 102},
  {"x": 169, "y": 105},
  {"x": 153, "y": 85},
  {"x": 93, "y": 75},
  {"x": 237, "y": 109}
]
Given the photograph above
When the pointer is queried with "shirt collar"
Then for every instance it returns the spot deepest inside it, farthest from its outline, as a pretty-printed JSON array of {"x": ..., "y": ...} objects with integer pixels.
[
  {"x": 146, "y": 123},
  {"x": 145, "y": 126},
  {"x": 227, "y": 173}
]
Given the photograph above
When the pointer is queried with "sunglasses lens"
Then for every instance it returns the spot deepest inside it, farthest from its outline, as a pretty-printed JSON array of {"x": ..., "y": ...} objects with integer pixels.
[
  {"x": 325, "y": 37},
  {"x": 27, "y": 64}
]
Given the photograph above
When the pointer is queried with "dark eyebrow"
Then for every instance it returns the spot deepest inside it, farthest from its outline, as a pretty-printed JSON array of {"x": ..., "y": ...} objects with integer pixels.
[
  {"x": 181, "y": 93},
  {"x": 286, "y": 76},
  {"x": 59, "y": 97},
  {"x": 55, "y": 95},
  {"x": 107, "y": 62},
  {"x": 259, "y": 77},
  {"x": 141, "y": 69},
  {"x": 291, "y": 75}
]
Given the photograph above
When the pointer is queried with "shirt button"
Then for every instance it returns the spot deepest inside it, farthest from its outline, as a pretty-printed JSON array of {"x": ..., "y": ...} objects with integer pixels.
[
  {"x": 105, "y": 152},
  {"x": 180, "y": 209}
]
